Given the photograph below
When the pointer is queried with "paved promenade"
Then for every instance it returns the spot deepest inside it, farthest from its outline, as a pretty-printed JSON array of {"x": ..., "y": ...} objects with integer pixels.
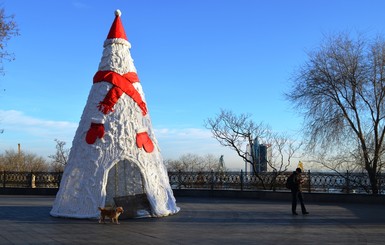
[{"x": 26, "y": 220}]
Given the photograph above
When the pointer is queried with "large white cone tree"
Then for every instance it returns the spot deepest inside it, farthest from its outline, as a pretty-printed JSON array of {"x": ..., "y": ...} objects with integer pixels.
[{"x": 114, "y": 152}]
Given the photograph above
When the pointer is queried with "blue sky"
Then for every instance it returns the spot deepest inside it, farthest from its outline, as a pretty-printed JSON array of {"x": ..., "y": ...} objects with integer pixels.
[{"x": 193, "y": 58}]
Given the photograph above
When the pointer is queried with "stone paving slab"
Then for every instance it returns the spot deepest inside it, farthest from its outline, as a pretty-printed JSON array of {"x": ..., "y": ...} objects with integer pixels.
[{"x": 26, "y": 220}]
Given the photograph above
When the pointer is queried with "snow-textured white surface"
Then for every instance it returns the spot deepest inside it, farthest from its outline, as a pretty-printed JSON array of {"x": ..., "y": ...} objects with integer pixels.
[{"x": 95, "y": 173}]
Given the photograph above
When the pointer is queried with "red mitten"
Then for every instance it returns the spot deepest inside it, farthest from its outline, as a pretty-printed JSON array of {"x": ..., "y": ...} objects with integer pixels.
[
  {"x": 143, "y": 140},
  {"x": 96, "y": 131}
]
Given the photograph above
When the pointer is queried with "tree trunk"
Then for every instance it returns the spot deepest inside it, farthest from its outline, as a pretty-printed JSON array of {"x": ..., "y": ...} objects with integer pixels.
[{"x": 373, "y": 179}]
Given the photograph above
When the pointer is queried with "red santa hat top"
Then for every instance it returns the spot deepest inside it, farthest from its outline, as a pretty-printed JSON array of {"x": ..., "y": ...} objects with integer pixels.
[
  {"x": 117, "y": 30},
  {"x": 117, "y": 33}
]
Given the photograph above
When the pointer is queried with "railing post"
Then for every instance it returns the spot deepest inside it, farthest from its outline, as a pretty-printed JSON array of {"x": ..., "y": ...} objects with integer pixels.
[
  {"x": 59, "y": 179},
  {"x": 33, "y": 180},
  {"x": 212, "y": 180},
  {"x": 347, "y": 182},
  {"x": 242, "y": 180},
  {"x": 179, "y": 179},
  {"x": 309, "y": 181},
  {"x": 4, "y": 178},
  {"x": 378, "y": 182}
]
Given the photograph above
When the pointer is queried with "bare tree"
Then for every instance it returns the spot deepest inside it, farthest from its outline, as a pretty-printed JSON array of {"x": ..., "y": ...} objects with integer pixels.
[
  {"x": 213, "y": 163},
  {"x": 340, "y": 91},
  {"x": 59, "y": 160},
  {"x": 194, "y": 163},
  {"x": 186, "y": 163},
  {"x": 8, "y": 29},
  {"x": 173, "y": 165},
  {"x": 22, "y": 162},
  {"x": 284, "y": 149},
  {"x": 238, "y": 133}
]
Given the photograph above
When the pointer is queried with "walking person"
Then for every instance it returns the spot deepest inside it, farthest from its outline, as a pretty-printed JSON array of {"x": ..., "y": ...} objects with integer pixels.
[{"x": 296, "y": 192}]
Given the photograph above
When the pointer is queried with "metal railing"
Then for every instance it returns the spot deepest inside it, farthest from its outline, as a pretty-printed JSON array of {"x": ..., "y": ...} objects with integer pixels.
[
  {"x": 314, "y": 181},
  {"x": 30, "y": 179}
]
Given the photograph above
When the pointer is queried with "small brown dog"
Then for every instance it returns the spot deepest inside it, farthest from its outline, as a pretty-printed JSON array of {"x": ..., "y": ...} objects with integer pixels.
[{"x": 112, "y": 213}]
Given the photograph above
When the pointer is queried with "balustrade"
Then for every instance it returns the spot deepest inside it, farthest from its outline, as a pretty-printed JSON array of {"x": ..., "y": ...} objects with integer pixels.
[{"x": 314, "y": 181}]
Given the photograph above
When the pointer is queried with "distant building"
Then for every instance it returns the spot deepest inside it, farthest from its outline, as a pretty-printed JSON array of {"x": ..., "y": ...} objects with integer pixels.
[
  {"x": 262, "y": 158},
  {"x": 263, "y": 154}
]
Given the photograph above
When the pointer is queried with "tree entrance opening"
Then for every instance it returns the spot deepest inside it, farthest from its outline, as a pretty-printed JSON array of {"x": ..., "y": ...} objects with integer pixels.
[{"x": 125, "y": 188}]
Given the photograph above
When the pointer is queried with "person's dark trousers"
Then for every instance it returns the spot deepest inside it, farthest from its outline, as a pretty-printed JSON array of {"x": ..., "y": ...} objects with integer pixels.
[{"x": 297, "y": 194}]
